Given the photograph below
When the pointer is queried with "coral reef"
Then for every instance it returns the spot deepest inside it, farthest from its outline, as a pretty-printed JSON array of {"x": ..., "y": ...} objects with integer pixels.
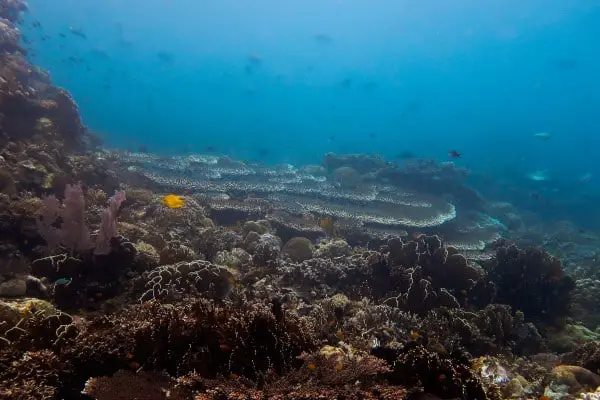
[
  {"x": 532, "y": 281},
  {"x": 220, "y": 279}
]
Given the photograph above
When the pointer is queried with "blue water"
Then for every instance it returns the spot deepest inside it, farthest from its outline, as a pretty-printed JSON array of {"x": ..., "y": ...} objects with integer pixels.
[{"x": 288, "y": 81}]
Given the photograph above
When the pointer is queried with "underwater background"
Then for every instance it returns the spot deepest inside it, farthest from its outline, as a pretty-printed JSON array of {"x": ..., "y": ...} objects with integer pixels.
[
  {"x": 300, "y": 200},
  {"x": 287, "y": 82}
]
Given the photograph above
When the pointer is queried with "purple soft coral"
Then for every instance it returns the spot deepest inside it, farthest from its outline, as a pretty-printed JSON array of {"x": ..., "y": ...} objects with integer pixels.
[
  {"x": 73, "y": 232},
  {"x": 108, "y": 224}
]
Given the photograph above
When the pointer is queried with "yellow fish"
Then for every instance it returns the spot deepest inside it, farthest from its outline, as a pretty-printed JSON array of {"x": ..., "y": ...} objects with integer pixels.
[{"x": 173, "y": 201}]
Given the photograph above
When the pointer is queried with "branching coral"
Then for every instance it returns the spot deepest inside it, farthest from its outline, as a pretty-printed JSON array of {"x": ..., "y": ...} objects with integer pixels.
[{"x": 532, "y": 281}]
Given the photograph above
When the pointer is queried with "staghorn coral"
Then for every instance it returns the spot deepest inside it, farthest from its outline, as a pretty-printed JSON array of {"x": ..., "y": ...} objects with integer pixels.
[
  {"x": 195, "y": 336},
  {"x": 126, "y": 385},
  {"x": 185, "y": 278},
  {"x": 88, "y": 282},
  {"x": 586, "y": 355},
  {"x": 31, "y": 375},
  {"x": 493, "y": 330},
  {"x": 586, "y": 302},
  {"x": 247, "y": 341},
  {"x": 445, "y": 376}
]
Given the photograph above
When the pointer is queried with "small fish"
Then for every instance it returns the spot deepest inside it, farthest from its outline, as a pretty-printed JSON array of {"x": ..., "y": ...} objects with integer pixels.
[
  {"x": 225, "y": 347},
  {"x": 173, "y": 201},
  {"x": 262, "y": 153},
  {"x": 346, "y": 83},
  {"x": 542, "y": 136},
  {"x": 414, "y": 335},
  {"x": 328, "y": 225},
  {"x": 339, "y": 366},
  {"x": 323, "y": 38},
  {"x": 566, "y": 64},
  {"x": 254, "y": 59},
  {"x": 535, "y": 196},
  {"x": 454, "y": 154},
  {"x": 340, "y": 334},
  {"x": 405, "y": 155},
  {"x": 585, "y": 178},
  {"x": 165, "y": 57},
  {"x": 311, "y": 366},
  {"x": 77, "y": 32},
  {"x": 369, "y": 87},
  {"x": 233, "y": 282},
  {"x": 36, "y": 24},
  {"x": 63, "y": 281},
  {"x": 233, "y": 376},
  {"x": 539, "y": 176},
  {"x": 134, "y": 365}
]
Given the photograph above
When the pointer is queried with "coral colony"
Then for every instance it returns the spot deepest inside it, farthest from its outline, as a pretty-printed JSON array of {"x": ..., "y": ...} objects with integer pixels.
[{"x": 127, "y": 275}]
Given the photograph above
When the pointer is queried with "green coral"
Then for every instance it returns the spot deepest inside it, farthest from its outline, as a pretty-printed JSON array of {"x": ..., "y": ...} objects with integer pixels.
[
  {"x": 570, "y": 336},
  {"x": 332, "y": 248},
  {"x": 259, "y": 227},
  {"x": 146, "y": 254}
]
